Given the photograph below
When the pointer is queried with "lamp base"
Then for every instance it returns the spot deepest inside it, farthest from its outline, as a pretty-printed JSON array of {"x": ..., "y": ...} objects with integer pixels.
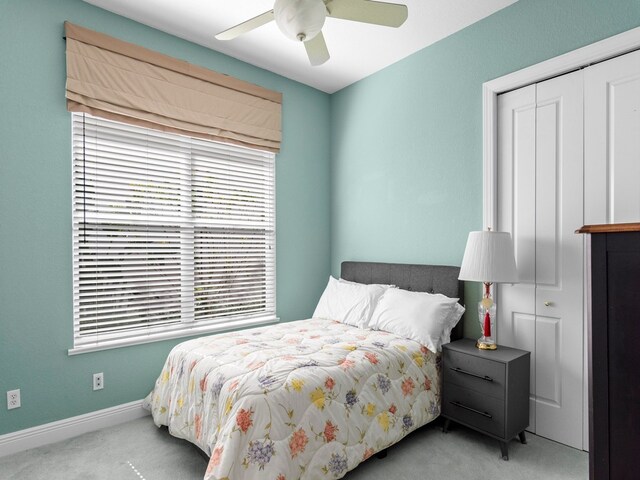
[
  {"x": 487, "y": 317},
  {"x": 485, "y": 344}
]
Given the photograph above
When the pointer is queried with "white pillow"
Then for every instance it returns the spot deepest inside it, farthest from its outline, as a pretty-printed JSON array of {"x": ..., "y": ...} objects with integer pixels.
[
  {"x": 424, "y": 317},
  {"x": 342, "y": 280},
  {"x": 348, "y": 302},
  {"x": 454, "y": 317}
]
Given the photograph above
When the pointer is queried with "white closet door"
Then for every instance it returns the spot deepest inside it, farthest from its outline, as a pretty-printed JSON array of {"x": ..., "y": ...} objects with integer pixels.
[
  {"x": 540, "y": 194},
  {"x": 612, "y": 140},
  {"x": 559, "y": 259},
  {"x": 516, "y": 214}
]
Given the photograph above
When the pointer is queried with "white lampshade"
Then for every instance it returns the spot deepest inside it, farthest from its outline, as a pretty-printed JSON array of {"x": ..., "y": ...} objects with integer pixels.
[
  {"x": 300, "y": 19},
  {"x": 489, "y": 258}
]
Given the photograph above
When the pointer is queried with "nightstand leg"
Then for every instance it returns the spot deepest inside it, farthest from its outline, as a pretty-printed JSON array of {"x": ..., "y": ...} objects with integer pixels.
[
  {"x": 504, "y": 448},
  {"x": 523, "y": 439},
  {"x": 445, "y": 427}
]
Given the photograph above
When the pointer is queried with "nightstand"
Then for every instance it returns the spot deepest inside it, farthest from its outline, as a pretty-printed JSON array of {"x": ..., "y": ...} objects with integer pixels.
[{"x": 486, "y": 390}]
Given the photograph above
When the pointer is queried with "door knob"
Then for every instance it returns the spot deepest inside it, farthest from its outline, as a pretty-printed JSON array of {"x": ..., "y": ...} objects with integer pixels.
[{"x": 547, "y": 303}]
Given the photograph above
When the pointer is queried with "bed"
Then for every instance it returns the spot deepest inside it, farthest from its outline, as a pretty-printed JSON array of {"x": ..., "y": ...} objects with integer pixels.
[{"x": 306, "y": 399}]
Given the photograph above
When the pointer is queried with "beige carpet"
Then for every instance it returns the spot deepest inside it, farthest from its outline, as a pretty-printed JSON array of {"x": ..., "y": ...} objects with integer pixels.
[{"x": 138, "y": 450}]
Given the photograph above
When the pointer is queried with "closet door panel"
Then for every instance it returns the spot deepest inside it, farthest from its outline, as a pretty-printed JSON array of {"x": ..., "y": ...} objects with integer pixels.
[
  {"x": 612, "y": 140},
  {"x": 559, "y": 259},
  {"x": 516, "y": 215},
  {"x": 516, "y": 211},
  {"x": 548, "y": 141},
  {"x": 549, "y": 378}
]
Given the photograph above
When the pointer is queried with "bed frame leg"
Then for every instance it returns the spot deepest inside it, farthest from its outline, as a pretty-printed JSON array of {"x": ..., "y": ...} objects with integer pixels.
[{"x": 381, "y": 454}]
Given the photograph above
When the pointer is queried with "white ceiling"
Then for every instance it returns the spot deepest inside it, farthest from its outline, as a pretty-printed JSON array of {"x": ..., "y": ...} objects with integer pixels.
[{"x": 357, "y": 49}]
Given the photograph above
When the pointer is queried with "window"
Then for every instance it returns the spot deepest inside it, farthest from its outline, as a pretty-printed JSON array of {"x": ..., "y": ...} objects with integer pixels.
[{"x": 172, "y": 236}]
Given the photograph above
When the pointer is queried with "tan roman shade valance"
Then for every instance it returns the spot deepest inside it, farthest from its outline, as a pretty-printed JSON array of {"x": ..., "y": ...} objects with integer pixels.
[{"x": 118, "y": 80}]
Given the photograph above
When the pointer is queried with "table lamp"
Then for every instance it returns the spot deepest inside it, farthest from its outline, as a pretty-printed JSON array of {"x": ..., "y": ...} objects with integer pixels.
[{"x": 488, "y": 258}]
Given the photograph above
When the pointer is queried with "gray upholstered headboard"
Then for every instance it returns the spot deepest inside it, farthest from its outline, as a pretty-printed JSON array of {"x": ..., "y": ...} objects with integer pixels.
[{"x": 418, "y": 278}]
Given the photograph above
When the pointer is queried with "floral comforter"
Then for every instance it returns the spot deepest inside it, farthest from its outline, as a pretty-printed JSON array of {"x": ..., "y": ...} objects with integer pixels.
[{"x": 309, "y": 399}]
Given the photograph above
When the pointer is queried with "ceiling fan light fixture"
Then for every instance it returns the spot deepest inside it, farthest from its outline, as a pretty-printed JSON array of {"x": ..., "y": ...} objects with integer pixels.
[{"x": 300, "y": 20}]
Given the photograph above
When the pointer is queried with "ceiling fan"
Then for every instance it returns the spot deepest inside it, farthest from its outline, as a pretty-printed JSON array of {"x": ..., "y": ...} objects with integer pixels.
[{"x": 302, "y": 20}]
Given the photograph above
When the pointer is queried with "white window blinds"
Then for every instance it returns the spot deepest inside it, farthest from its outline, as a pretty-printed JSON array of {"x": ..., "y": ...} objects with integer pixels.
[{"x": 171, "y": 235}]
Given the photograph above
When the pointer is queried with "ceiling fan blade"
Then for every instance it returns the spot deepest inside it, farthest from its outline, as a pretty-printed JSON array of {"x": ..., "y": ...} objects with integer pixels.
[
  {"x": 368, "y": 11},
  {"x": 317, "y": 50},
  {"x": 245, "y": 27}
]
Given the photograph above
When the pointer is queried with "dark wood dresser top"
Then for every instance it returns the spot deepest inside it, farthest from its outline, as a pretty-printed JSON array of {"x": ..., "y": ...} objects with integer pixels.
[{"x": 610, "y": 228}]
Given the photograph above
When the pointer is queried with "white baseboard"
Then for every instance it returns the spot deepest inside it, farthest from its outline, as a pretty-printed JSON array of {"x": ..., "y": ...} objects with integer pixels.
[{"x": 70, "y": 427}]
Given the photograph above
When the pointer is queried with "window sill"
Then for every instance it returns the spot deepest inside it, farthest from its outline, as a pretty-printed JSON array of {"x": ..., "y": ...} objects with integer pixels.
[{"x": 187, "y": 331}]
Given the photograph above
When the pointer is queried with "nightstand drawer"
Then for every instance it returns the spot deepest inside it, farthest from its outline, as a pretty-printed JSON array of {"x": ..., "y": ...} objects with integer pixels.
[
  {"x": 479, "y": 374},
  {"x": 474, "y": 409}
]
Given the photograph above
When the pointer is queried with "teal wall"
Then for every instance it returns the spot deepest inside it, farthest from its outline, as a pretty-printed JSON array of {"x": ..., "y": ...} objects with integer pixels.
[
  {"x": 406, "y": 143},
  {"x": 35, "y": 212},
  {"x": 388, "y": 169}
]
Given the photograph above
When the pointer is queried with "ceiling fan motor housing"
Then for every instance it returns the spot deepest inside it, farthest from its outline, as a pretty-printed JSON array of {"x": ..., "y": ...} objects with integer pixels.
[{"x": 300, "y": 20}]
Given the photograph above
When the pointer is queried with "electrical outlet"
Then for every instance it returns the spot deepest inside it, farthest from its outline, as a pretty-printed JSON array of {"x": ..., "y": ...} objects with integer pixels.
[
  {"x": 13, "y": 399},
  {"x": 98, "y": 381}
]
